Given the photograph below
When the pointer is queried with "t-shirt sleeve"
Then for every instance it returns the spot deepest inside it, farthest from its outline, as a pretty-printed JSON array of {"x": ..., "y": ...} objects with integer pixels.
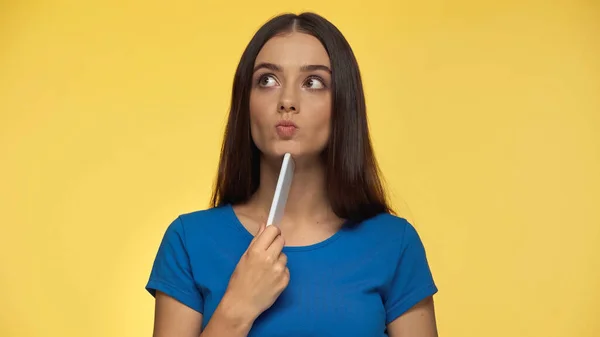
[
  {"x": 412, "y": 280},
  {"x": 171, "y": 272}
]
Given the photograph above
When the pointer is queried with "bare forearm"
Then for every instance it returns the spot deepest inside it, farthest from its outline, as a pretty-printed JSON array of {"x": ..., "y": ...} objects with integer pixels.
[{"x": 228, "y": 321}]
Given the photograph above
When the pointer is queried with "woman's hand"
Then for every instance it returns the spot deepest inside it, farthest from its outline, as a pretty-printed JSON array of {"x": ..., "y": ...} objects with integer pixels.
[{"x": 260, "y": 276}]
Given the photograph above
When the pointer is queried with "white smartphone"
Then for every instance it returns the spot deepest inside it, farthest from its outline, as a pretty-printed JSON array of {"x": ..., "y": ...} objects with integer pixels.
[{"x": 284, "y": 182}]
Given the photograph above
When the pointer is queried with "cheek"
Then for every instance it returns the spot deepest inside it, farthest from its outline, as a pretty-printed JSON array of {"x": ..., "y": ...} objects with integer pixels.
[
  {"x": 254, "y": 107},
  {"x": 321, "y": 111},
  {"x": 263, "y": 102},
  {"x": 321, "y": 120},
  {"x": 325, "y": 129},
  {"x": 259, "y": 106}
]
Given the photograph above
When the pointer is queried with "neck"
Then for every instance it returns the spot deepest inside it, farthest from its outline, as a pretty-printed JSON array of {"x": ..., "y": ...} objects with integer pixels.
[{"x": 307, "y": 199}]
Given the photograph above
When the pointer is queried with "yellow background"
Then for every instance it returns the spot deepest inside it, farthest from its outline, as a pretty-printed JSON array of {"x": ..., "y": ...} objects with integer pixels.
[{"x": 485, "y": 118}]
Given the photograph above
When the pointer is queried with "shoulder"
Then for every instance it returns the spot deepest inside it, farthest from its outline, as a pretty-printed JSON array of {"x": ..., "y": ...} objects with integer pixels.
[
  {"x": 204, "y": 217},
  {"x": 193, "y": 225},
  {"x": 386, "y": 227}
]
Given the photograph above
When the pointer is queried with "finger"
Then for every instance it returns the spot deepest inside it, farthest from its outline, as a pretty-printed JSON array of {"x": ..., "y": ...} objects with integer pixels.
[
  {"x": 275, "y": 248},
  {"x": 283, "y": 259},
  {"x": 266, "y": 238},
  {"x": 261, "y": 228}
]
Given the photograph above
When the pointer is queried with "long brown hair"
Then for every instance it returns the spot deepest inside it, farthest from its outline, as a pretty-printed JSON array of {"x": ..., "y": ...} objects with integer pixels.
[{"x": 353, "y": 179}]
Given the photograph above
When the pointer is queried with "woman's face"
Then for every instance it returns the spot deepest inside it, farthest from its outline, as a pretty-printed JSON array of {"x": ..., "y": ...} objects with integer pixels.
[{"x": 290, "y": 100}]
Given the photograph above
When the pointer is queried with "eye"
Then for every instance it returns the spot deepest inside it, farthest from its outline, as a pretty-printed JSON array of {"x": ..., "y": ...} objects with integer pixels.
[
  {"x": 314, "y": 83},
  {"x": 267, "y": 81}
]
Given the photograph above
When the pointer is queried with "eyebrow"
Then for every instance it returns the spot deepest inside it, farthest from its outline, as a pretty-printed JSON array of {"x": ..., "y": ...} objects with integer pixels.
[{"x": 305, "y": 68}]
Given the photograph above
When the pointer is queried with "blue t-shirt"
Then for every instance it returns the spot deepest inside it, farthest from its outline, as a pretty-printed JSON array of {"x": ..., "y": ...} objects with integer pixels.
[{"x": 352, "y": 284}]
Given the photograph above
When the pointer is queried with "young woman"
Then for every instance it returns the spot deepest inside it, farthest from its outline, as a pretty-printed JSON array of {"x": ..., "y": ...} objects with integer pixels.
[{"x": 339, "y": 263}]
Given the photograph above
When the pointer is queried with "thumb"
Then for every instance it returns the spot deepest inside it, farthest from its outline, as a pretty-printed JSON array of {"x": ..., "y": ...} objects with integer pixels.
[
  {"x": 263, "y": 226},
  {"x": 261, "y": 229}
]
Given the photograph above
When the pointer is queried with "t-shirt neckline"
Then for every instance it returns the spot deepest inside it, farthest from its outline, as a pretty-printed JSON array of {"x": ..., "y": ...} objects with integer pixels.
[{"x": 235, "y": 221}]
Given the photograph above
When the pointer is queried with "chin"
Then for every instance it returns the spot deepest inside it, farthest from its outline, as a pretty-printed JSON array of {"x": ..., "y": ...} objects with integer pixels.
[
  {"x": 276, "y": 149},
  {"x": 295, "y": 150},
  {"x": 278, "y": 153}
]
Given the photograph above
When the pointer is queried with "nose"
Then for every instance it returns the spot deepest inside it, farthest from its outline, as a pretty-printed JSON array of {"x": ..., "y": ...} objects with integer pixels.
[
  {"x": 288, "y": 102},
  {"x": 287, "y": 107}
]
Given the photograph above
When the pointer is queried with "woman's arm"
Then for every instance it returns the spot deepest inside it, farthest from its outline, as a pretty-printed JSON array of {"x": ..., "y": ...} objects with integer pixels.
[
  {"x": 419, "y": 321},
  {"x": 174, "y": 319}
]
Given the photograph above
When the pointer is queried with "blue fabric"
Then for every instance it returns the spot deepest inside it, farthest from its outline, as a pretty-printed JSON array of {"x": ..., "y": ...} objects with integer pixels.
[{"x": 352, "y": 284}]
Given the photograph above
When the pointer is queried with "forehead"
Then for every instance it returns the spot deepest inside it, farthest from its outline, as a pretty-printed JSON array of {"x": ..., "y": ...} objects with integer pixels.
[{"x": 293, "y": 50}]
